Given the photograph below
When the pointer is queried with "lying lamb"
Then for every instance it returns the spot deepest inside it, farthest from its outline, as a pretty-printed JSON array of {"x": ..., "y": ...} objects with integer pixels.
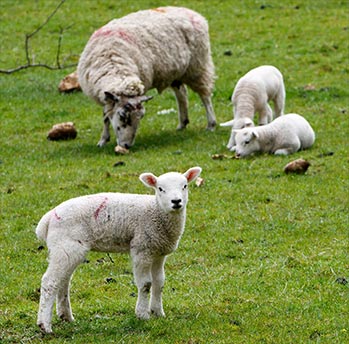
[
  {"x": 157, "y": 48},
  {"x": 252, "y": 94},
  {"x": 147, "y": 226},
  {"x": 285, "y": 135}
]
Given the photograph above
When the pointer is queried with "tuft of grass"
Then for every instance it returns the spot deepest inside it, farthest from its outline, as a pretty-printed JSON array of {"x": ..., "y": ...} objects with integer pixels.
[{"x": 264, "y": 255}]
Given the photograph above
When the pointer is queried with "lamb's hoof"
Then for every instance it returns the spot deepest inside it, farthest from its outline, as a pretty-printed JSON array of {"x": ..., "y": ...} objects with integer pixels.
[
  {"x": 45, "y": 328},
  {"x": 65, "y": 317}
]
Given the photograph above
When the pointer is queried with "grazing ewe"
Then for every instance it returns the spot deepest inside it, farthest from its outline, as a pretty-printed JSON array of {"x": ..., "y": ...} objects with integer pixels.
[
  {"x": 147, "y": 226},
  {"x": 285, "y": 135},
  {"x": 252, "y": 94},
  {"x": 157, "y": 48}
]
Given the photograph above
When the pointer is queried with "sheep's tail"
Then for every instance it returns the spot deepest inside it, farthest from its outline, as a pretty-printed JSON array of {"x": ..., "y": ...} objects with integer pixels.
[{"x": 41, "y": 229}]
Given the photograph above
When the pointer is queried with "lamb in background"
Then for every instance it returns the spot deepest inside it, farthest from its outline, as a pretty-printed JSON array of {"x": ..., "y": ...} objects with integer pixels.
[
  {"x": 147, "y": 226},
  {"x": 251, "y": 94},
  {"x": 157, "y": 48},
  {"x": 285, "y": 135}
]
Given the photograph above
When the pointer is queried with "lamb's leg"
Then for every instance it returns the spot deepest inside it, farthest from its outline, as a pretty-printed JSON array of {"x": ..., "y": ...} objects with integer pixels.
[
  {"x": 158, "y": 275},
  {"x": 142, "y": 275},
  {"x": 211, "y": 118},
  {"x": 182, "y": 103},
  {"x": 279, "y": 103},
  {"x": 54, "y": 282},
  {"x": 64, "y": 311},
  {"x": 105, "y": 137},
  {"x": 265, "y": 115}
]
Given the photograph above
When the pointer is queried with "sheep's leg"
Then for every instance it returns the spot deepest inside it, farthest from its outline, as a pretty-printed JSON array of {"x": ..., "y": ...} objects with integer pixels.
[
  {"x": 158, "y": 275},
  {"x": 182, "y": 103},
  {"x": 265, "y": 115},
  {"x": 142, "y": 275},
  {"x": 55, "y": 281},
  {"x": 105, "y": 137},
  {"x": 211, "y": 118}
]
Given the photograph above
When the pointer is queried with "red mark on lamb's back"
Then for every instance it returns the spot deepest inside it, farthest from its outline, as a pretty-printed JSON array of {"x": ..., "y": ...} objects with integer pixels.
[{"x": 102, "y": 206}]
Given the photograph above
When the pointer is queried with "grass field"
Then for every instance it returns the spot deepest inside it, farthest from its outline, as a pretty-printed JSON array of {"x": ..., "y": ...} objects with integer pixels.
[{"x": 264, "y": 258}]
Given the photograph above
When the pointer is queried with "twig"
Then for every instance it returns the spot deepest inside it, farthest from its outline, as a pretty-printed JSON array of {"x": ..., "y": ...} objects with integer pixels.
[{"x": 30, "y": 63}]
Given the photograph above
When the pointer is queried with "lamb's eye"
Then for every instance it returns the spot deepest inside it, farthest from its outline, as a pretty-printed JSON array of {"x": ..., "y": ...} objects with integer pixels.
[
  {"x": 161, "y": 189},
  {"x": 247, "y": 142},
  {"x": 185, "y": 186},
  {"x": 128, "y": 107}
]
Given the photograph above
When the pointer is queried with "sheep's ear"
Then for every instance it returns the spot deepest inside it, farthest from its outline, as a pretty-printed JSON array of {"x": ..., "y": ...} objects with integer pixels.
[
  {"x": 145, "y": 98},
  {"x": 192, "y": 173},
  {"x": 110, "y": 97},
  {"x": 148, "y": 179},
  {"x": 227, "y": 124}
]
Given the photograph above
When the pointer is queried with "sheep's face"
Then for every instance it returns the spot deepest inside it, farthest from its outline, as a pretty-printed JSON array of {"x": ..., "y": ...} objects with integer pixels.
[
  {"x": 247, "y": 142},
  {"x": 171, "y": 189},
  {"x": 125, "y": 114}
]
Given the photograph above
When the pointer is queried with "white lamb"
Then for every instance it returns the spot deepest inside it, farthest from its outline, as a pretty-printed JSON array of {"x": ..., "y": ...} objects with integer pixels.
[
  {"x": 285, "y": 135},
  {"x": 147, "y": 226},
  {"x": 252, "y": 94},
  {"x": 158, "y": 48}
]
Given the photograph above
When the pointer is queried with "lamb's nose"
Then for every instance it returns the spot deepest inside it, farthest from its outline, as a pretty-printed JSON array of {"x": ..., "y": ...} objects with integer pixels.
[{"x": 176, "y": 203}]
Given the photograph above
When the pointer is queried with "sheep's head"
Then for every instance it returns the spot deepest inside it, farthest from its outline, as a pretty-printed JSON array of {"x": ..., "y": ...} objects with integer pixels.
[
  {"x": 171, "y": 189},
  {"x": 124, "y": 113},
  {"x": 247, "y": 142}
]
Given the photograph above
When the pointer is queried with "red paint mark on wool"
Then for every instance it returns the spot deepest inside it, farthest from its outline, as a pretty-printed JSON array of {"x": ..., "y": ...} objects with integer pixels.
[
  {"x": 102, "y": 206},
  {"x": 105, "y": 32},
  {"x": 194, "y": 19},
  {"x": 159, "y": 9}
]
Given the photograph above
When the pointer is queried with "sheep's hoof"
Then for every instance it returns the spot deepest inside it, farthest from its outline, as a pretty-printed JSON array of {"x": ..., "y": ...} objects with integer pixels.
[
  {"x": 143, "y": 315},
  {"x": 211, "y": 127},
  {"x": 45, "y": 328},
  {"x": 158, "y": 313}
]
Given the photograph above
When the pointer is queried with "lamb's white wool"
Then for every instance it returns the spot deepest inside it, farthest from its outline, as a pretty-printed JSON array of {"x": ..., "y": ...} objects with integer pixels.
[
  {"x": 147, "y": 226},
  {"x": 285, "y": 135},
  {"x": 157, "y": 48},
  {"x": 251, "y": 94}
]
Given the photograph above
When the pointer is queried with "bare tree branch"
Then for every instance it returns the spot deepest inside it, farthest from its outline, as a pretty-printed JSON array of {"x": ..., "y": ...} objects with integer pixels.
[{"x": 29, "y": 61}]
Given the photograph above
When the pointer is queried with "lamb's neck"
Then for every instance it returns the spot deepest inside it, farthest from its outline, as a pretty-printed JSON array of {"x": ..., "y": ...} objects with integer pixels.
[
  {"x": 244, "y": 107},
  {"x": 267, "y": 138}
]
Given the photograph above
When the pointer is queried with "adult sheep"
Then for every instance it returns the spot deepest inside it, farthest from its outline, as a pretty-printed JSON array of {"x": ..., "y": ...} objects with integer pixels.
[
  {"x": 251, "y": 94},
  {"x": 157, "y": 48},
  {"x": 285, "y": 135},
  {"x": 147, "y": 226}
]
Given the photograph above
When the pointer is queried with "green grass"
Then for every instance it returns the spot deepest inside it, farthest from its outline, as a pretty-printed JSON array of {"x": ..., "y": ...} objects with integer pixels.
[{"x": 264, "y": 257}]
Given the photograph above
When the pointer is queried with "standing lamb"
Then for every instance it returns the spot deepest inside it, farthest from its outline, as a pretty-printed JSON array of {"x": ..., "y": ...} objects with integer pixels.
[
  {"x": 252, "y": 94},
  {"x": 285, "y": 135},
  {"x": 147, "y": 226},
  {"x": 157, "y": 48}
]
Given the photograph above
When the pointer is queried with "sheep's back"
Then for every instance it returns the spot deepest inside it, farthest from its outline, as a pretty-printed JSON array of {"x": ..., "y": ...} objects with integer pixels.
[{"x": 159, "y": 45}]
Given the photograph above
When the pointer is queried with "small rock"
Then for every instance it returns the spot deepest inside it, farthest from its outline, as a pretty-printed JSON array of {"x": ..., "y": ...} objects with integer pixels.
[
  {"x": 121, "y": 150},
  {"x": 69, "y": 83},
  {"x": 199, "y": 181},
  {"x": 62, "y": 131},
  {"x": 298, "y": 166}
]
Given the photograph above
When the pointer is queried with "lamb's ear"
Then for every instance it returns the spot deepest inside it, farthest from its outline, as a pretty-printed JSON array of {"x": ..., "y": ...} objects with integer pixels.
[
  {"x": 227, "y": 124},
  {"x": 192, "y": 173},
  {"x": 248, "y": 123},
  {"x": 110, "y": 97},
  {"x": 254, "y": 134},
  {"x": 148, "y": 179}
]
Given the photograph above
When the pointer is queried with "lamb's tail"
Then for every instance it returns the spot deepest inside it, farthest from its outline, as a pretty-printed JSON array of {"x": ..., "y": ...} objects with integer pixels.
[{"x": 41, "y": 229}]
